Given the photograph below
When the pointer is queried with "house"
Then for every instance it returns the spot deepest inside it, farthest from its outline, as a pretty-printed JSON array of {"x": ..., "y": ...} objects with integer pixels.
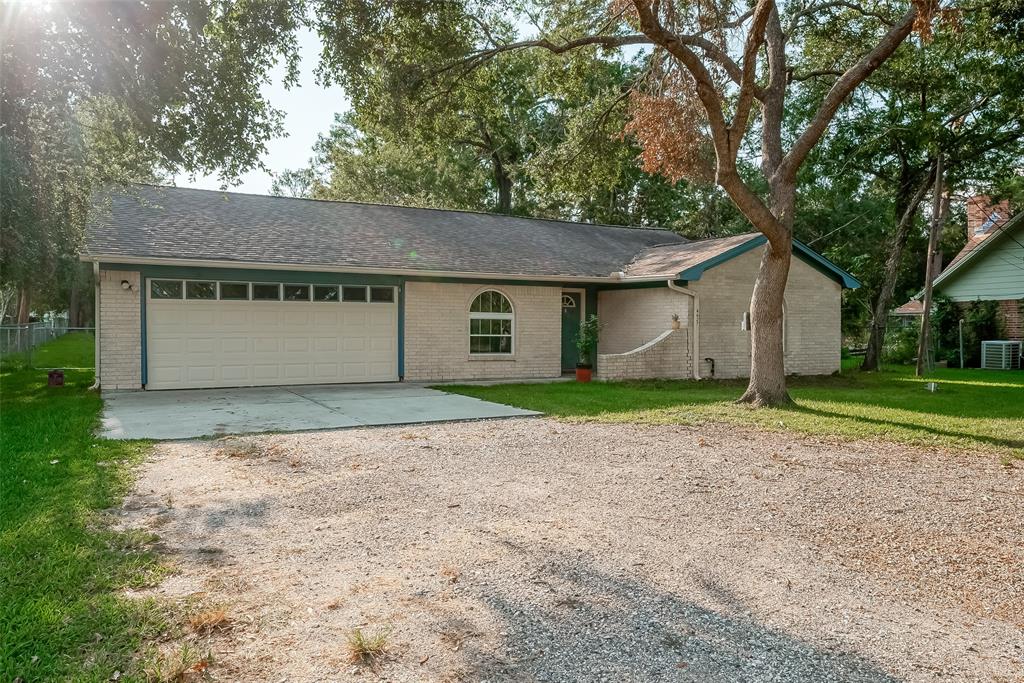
[
  {"x": 990, "y": 267},
  {"x": 200, "y": 288},
  {"x": 909, "y": 314}
]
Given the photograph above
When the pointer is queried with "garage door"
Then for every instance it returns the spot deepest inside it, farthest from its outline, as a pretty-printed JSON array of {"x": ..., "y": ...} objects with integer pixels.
[{"x": 236, "y": 334}]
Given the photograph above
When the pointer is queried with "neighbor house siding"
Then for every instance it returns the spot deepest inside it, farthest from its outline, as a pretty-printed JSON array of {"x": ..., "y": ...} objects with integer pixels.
[
  {"x": 632, "y": 317},
  {"x": 437, "y": 333},
  {"x": 995, "y": 274},
  {"x": 120, "y": 330},
  {"x": 813, "y": 335}
]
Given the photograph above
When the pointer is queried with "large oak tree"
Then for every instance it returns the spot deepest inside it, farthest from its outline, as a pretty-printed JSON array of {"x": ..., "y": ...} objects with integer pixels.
[{"x": 719, "y": 74}]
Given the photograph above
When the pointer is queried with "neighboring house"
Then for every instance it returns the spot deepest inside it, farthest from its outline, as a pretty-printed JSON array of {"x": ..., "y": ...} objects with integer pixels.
[
  {"x": 990, "y": 267},
  {"x": 215, "y": 289},
  {"x": 909, "y": 314}
]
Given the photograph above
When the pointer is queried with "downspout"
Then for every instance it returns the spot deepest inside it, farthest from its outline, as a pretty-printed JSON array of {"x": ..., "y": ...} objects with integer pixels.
[
  {"x": 96, "y": 322},
  {"x": 694, "y": 325}
]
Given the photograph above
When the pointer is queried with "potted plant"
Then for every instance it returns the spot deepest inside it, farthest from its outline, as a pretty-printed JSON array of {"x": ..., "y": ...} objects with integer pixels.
[{"x": 586, "y": 344}]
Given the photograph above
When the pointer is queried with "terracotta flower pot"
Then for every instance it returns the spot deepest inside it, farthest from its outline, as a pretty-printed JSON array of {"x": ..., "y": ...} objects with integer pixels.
[{"x": 583, "y": 374}]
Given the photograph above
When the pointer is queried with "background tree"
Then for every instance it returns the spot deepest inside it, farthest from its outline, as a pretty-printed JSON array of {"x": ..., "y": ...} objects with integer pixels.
[
  {"x": 715, "y": 73},
  {"x": 884, "y": 149},
  {"x": 111, "y": 92}
]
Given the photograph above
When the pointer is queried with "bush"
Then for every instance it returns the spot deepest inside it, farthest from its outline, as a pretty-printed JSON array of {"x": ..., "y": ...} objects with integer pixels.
[
  {"x": 981, "y": 323},
  {"x": 901, "y": 345}
]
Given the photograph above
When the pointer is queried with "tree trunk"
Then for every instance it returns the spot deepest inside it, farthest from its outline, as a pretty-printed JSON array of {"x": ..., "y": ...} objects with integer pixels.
[
  {"x": 907, "y": 201},
  {"x": 767, "y": 386},
  {"x": 504, "y": 184},
  {"x": 24, "y": 306}
]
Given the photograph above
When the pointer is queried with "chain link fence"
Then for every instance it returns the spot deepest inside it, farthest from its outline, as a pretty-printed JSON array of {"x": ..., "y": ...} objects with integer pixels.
[{"x": 48, "y": 344}]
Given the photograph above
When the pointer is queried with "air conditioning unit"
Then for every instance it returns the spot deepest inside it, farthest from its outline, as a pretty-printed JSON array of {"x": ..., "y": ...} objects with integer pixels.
[{"x": 1000, "y": 355}]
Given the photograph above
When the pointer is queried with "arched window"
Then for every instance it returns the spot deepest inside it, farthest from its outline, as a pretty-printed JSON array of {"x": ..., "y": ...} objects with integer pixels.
[{"x": 491, "y": 322}]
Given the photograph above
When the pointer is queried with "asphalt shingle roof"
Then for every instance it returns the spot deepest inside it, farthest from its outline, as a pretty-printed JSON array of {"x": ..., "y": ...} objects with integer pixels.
[
  {"x": 671, "y": 259},
  {"x": 184, "y": 223}
]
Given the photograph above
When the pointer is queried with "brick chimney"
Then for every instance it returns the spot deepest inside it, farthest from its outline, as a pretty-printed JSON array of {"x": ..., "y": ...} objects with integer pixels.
[{"x": 983, "y": 215}]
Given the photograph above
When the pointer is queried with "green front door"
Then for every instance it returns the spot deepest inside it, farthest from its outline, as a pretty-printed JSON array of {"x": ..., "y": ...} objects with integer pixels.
[{"x": 571, "y": 302}]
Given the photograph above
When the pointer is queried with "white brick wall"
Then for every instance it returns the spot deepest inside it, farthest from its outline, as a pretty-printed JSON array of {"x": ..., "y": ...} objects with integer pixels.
[
  {"x": 120, "y": 331},
  {"x": 632, "y": 317},
  {"x": 813, "y": 335},
  {"x": 437, "y": 333},
  {"x": 668, "y": 358}
]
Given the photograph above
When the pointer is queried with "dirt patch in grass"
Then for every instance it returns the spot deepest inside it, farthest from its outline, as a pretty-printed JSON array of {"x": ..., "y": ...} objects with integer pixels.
[{"x": 539, "y": 550}]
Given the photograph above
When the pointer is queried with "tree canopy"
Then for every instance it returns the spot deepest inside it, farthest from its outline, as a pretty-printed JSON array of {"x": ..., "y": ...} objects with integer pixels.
[{"x": 108, "y": 92}]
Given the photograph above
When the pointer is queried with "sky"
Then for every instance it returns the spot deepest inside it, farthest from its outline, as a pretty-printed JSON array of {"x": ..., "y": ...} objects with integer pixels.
[{"x": 309, "y": 110}]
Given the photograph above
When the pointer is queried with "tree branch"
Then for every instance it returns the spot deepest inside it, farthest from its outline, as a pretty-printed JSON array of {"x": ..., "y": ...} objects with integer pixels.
[
  {"x": 841, "y": 89},
  {"x": 745, "y": 99},
  {"x": 833, "y": 4},
  {"x": 726, "y": 175}
]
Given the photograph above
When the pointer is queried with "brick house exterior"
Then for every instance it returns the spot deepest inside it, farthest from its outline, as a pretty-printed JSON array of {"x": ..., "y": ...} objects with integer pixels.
[{"x": 202, "y": 289}]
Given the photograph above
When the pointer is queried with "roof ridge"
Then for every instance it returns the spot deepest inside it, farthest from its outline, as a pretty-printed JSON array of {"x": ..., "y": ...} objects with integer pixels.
[{"x": 406, "y": 206}]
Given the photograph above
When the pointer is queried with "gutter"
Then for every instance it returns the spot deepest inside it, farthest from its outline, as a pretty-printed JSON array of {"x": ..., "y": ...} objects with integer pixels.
[
  {"x": 694, "y": 325},
  {"x": 615, "y": 277}
]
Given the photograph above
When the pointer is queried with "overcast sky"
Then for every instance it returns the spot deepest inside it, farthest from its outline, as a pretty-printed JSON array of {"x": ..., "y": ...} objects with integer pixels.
[{"x": 309, "y": 110}]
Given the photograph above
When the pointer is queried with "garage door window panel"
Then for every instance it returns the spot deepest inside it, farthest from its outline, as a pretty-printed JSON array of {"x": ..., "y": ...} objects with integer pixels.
[
  {"x": 200, "y": 290},
  {"x": 382, "y": 295},
  {"x": 234, "y": 291},
  {"x": 266, "y": 292},
  {"x": 321, "y": 293},
  {"x": 296, "y": 292},
  {"x": 353, "y": 294},
  {"x": 491, "y": 324},
  {"x": 166, "y": 289}
]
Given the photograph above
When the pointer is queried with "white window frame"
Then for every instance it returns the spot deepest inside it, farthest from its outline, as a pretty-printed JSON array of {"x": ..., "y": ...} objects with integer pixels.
[{"x": 511, "y": 317}]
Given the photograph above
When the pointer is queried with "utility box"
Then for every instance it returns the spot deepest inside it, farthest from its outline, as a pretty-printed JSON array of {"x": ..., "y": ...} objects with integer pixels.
[{"x": 1000, "y": 355}]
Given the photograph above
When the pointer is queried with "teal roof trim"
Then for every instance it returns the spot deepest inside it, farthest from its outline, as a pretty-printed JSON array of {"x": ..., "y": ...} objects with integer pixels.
[
  {"x": 695, "y": 272},
  {"x": 826, "y": 266},
  {"x": 802, "y": 250}
]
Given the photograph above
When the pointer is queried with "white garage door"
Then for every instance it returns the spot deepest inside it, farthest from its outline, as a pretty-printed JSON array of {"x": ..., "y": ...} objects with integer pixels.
[{"x": 236, "y": 334}]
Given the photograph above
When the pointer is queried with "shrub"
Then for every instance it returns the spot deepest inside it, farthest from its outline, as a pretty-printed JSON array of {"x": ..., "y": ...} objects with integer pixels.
[
  {"x": 900, "y": 345},
  {"x": 981, "y": 323}
]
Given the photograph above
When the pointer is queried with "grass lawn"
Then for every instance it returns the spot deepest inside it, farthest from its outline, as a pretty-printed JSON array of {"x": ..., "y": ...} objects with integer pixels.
[
  {"x": 972, "y": 409},
  {"x": 62, "y": 570},
  {"x": 72, "y": 350}
]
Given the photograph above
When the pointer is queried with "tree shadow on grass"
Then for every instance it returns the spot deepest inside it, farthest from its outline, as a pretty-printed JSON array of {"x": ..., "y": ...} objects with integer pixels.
[
  {"x": 567, "y": 619},
  {"x": 1012, "y": 442}
]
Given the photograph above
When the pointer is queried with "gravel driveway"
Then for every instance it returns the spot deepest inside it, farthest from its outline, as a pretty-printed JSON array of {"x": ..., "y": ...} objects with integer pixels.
[{"x": 537, "y": 550}]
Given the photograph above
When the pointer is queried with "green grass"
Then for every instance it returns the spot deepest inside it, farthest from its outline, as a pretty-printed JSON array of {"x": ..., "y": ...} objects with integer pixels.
[
  {"x": 71, "y": 350},
  {"x": 62, "y": 569},
  {"x": 972, "y": 409}
]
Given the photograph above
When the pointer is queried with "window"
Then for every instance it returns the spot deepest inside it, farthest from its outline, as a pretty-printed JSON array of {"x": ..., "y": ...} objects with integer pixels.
[
  {"x": 568, "y": 301},
  {"x": 353, "y": 293},
  {"x": 384, "y": 295},
  {"x": 490, "y": 324},
  {"x": 262, "y": 292},
  {"x": 234, "y": 291},
  {"x": 321, "y": 293},
  {"x": 200, "y": 290},
  {"x": 165, "y": 289},
  {"x": 296, "y": 292}
]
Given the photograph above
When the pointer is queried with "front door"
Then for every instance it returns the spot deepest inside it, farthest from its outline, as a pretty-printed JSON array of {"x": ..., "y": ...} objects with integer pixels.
[{"x": 571, "y": 304}]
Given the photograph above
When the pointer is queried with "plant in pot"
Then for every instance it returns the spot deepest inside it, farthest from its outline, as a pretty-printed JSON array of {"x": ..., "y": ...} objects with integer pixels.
[{"x": 586, "y": 345}]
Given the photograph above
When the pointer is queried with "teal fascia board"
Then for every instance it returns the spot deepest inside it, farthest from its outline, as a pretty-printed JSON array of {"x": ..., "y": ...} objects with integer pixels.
[
  {"x": 803, "y": 251},
  {"x": 695, "y": 272},
  {"x": 824, "y": 265},
  {"x": 255, "y": 275}
]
